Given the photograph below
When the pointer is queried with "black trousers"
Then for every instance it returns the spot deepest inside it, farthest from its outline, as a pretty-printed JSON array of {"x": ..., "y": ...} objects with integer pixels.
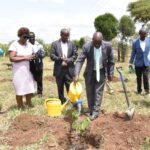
[
  {"x": 38, "y": 75},
  {"x": 63, "y": 80},
  {"x": 142, "y": 72}
]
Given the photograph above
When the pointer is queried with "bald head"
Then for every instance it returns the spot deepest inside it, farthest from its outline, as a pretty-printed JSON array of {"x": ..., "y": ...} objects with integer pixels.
[
  {"x": 64, "y": 33},
  {"x": 97, "y": 39}
]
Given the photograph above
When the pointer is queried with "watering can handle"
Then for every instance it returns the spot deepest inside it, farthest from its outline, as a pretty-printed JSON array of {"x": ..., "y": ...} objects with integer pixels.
[
  {"x": 46, "y": 101},
  {"x": 76, "y": 78}
]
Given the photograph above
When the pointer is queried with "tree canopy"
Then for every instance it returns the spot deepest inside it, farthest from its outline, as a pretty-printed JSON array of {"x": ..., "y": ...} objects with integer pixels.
[
  {"x": 140, "y": 10},
  {"x": 107, "y": 24},
  {"x": 126, "y": 26}
]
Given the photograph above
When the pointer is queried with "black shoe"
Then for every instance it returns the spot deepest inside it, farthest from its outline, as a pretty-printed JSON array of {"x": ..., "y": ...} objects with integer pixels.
[
  {"x": 147, "y": 94},
  {"x": 40, "y": 95},
  {"x": 88, "y": 114},
  {"x": 139, "y": 93},
  {"x": 93, "y": 117}
]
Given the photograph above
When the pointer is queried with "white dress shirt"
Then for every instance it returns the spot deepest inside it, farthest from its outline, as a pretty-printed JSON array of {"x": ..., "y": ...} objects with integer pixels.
[
  {"x": 64, "y": 47},
  {"x": 142, "y": 44}
]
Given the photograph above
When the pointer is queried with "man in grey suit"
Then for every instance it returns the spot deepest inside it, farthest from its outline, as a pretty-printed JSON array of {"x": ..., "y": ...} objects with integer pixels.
[
  {"x": 63, "y": 53},
  {"x": 99, "y": 67}
]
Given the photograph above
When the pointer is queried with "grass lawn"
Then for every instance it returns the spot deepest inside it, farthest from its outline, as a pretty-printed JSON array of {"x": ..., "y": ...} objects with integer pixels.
[{"x": 111, "y": 102}]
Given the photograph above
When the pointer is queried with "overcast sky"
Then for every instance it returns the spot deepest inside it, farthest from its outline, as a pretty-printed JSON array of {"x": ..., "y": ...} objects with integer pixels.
[{"x": 47, "y": 17}]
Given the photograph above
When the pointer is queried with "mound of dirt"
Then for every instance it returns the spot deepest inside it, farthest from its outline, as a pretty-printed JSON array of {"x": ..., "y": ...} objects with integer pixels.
[
  {"x": 108, "y": 132},
  {"x": 120, "y": 133}
]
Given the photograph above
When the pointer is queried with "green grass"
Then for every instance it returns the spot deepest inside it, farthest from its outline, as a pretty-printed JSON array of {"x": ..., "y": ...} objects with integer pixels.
[
  {"x": 110, "y": 103},
  {"x": 146, "y": 146}
]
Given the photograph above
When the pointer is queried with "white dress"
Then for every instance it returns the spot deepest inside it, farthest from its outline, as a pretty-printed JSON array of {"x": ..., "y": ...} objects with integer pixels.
[{"x": 22, "y": 78}]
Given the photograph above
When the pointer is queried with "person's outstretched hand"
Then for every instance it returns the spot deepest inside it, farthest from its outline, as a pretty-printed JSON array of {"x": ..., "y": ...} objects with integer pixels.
[
  {"x": 75, "y": 78},
  {"x": 130, "y": 66},
  {"x": 110, "y": 78}
]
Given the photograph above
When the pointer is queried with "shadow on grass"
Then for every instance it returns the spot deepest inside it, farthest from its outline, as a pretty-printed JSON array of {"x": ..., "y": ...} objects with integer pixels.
[
  {"x": 12, "y": 107},
  {"x": 142, "y": 103}
]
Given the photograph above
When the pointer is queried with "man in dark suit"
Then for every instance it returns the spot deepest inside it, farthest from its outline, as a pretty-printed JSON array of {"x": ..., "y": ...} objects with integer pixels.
[
  {"x": 63, "y": 53},
  {"x": 36, "y": 65},
  {"x": 99, "y": 67},
  {"x": 141, "y": 57}
]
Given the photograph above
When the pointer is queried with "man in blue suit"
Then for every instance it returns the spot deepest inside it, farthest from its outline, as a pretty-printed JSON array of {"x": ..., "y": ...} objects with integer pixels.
[{"x": 140, "y": 57}]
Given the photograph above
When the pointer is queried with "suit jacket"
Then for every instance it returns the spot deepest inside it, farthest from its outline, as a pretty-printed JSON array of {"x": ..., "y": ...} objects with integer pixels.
[
  {"x": 138, "y": 55},
  {"x": 37, "y": 63},
  {"x": 88, "y": 53},
  {"x": 56, "y": 54}
]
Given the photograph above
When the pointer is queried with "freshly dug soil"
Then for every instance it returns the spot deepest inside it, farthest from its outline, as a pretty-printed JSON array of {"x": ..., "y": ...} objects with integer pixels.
[{"x": 108, "y": 132}]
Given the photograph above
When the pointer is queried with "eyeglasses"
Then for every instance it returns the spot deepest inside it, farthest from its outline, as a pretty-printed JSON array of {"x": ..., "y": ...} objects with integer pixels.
[
  {"x": 25, "y": 36},
  {"x": 32, "y": 37}
]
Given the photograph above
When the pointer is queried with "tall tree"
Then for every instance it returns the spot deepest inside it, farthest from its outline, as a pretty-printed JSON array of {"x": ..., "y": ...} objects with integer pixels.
[
  {"x": 45, "y": 46},
  {"x": 81, "y": 42},
  {"x": 126, "y": 26},
  {"x": 140, "y": 10},
  {"x": 76, "y": 42},
  {"x": 127, "y": 29},
  {"x": 107, "y": 24}
]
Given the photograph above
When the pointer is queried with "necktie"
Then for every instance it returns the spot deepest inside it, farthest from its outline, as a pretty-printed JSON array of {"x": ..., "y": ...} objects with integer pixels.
[{"x": 97, "y": 65}]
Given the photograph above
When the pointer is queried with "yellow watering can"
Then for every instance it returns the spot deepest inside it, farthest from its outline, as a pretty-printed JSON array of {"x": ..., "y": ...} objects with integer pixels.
[
  {"x": 75, "y": 91},
  {"x": 54, "y": 107}
]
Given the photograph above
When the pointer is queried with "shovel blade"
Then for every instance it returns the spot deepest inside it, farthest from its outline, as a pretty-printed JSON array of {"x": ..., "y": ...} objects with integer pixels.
[{"x": 130, "y": 113}]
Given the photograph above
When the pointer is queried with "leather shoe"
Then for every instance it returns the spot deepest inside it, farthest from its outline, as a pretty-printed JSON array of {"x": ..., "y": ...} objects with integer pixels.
[
  {"x": 88, "y": 114},
  {"x": 147, "y": 94},
  {"x": 39, "y": 95},
  {"x": 93, "y": 117}
]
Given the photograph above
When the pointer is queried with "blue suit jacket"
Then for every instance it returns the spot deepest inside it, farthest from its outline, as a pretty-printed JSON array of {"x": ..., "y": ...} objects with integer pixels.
[{"x": 138, "y": 57}]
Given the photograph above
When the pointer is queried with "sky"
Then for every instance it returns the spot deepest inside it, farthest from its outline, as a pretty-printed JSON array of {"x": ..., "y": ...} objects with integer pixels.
[{"x": 47, "y": 17}]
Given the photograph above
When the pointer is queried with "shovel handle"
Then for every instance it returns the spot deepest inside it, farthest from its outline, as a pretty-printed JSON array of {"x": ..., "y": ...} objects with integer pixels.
[
  {"x": 119, "y": 69},
  {"x": 123, "y": 84},
  {"x": 121, "y": 76}
]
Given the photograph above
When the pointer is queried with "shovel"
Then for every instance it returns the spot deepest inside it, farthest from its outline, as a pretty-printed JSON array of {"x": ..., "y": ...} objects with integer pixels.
[{"x": 130, "y": 111}]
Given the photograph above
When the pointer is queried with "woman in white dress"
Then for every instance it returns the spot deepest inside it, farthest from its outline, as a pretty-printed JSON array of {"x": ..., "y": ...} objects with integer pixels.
[{"x": 20, "y": 53}]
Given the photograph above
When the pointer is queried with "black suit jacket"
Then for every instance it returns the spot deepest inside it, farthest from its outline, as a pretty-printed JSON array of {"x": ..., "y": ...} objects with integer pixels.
[
  {"x": 56, "y": 54},
  {"x": 88, "y": 53}
]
